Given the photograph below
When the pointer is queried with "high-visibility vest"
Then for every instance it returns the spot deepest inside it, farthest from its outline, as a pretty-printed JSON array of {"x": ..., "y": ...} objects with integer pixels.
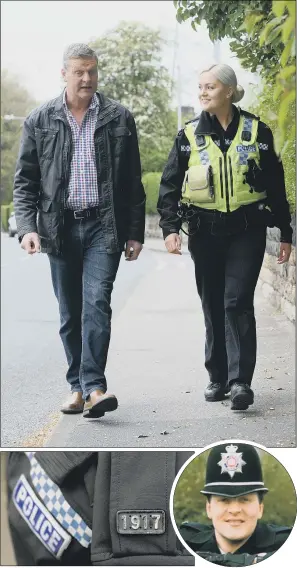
[{"x": 216, "y": 180}]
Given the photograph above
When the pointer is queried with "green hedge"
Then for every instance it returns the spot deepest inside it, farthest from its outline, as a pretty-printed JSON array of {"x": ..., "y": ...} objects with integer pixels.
[
  {"x": 6, "y": 210},
  {"x": 279, "y": 502},
  {"x": 151, "y": 184},
  {"x": 267, "y": 109}
]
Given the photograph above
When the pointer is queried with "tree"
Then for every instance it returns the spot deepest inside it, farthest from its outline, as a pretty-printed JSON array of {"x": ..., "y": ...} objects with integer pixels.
[
  {"x": 15, "y": 100},
  {"x": 130, "y": 71},
  {"x": 226, "y": 19},
  {"x": 279, "y": 31},
  {"x": 263, "y": 38},
  {"x": 267, "y": 108}
]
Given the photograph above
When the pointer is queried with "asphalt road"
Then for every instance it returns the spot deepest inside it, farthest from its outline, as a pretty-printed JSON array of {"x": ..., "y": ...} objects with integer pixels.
[
  {"x": 33, "y": 367},
  {"x": 155, "y": 363}
]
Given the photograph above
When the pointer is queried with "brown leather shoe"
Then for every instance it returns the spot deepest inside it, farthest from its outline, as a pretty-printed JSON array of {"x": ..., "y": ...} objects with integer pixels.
[
  {"x": 74, "y": 405},
  {"x": 99, "y": 403}
]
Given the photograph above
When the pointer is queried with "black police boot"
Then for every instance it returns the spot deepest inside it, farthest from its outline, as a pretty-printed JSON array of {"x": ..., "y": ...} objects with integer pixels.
[
  {"x": 214, "y": 392},
  {"x": 241, "y": 396}
]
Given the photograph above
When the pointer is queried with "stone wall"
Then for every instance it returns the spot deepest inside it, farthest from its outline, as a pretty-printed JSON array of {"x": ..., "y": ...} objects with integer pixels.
[{"x": 278, "y": 282}]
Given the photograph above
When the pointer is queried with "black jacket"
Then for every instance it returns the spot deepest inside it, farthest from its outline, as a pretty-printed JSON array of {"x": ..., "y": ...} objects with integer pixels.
[
  {"x": 177, "y": 164},
  {"x": 109, "y": 494},
  {"x": 43, "y": 168},
  {"x": 266, "y": 538}
]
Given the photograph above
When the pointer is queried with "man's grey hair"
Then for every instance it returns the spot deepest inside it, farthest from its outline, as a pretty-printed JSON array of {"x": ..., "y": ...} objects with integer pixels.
[{"x": 77, "y": 50}]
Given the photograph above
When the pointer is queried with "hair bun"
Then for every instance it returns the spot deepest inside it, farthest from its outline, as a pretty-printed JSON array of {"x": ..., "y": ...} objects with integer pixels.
[{"x": 238, "y": 94}]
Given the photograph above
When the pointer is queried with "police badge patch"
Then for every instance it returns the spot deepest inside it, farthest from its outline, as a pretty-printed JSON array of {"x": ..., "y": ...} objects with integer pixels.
[
  {"x": 39, "y": 519},
  {"x": 231, "y": 461}
]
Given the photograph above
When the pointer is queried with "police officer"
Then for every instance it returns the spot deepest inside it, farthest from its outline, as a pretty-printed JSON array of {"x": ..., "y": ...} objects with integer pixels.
[
  {"x": 224, "y": 178},
  {"x": 235, "y": 490},
  {"x": 94, "y": 508}
]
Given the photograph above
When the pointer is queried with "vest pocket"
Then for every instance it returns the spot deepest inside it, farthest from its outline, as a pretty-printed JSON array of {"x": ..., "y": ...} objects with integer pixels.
[{"x": 198, "y": 184}]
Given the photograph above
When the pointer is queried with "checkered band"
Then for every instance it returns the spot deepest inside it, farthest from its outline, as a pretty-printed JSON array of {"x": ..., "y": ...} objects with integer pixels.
[
  {"x": 204, "y": 157},
  {"x": 263, "y": 146},
  {"x": 243, "y": 156},
  {"x": 247, "y": 124},
  {"x": 57, "y": 504}
]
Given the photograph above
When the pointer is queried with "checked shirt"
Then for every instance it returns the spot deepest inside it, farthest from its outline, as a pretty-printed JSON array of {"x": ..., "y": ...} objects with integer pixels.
[{"x": 83, "y": 186}]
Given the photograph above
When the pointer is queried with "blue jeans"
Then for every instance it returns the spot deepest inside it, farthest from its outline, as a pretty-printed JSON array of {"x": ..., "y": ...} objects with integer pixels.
[{"x": 83, "y": 280}]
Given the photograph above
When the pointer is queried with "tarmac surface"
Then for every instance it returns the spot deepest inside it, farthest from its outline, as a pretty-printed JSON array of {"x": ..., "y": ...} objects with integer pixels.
[
  {"x": 155, "y": 364},
  {"x": 156, "y": 368}
]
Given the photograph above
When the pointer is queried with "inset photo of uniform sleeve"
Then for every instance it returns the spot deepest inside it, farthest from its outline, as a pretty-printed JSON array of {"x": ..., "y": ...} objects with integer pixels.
[
  {"x": 234, "y": 504},
  {"x": 90, "y": 508}
]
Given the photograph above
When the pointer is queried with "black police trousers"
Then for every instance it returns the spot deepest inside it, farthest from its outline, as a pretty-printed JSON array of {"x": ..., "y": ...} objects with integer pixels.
[
  {"x": 94, "y": 508},
  {"x": 228, "y": 250}
]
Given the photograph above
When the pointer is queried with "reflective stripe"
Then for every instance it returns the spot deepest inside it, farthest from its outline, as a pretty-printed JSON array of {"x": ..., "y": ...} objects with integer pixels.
[
  {"x": 244, "y": 154},
  {"x": 204, "y": 157},
  {"x": 57, "y": 504}
]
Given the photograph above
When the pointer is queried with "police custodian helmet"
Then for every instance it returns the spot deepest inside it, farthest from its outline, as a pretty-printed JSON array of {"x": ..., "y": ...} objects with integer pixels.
[{"x": 233, "y": 469}]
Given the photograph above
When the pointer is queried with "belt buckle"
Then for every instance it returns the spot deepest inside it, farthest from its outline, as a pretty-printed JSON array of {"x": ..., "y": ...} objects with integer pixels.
[{"x": 77, "y": 214}]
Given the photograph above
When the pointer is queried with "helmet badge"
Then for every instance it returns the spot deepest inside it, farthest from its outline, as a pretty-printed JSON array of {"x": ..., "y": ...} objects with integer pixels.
[{"x": 231, "y": 461}]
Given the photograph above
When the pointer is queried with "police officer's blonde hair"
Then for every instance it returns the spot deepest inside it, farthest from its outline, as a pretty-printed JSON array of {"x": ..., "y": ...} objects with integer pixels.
[{"x": 226, "y": 75}]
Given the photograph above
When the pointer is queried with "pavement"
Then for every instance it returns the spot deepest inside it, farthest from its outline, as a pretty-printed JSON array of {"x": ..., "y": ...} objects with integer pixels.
[
  {"x": 156, "y": 368},
  {"x": 155, "y": 364}
]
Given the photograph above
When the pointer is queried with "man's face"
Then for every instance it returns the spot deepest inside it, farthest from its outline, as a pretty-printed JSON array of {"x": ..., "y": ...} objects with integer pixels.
[
  {"x": 213, "y": 95},
  {"x": 81, "y": 77},
  {"x": 234, "y": 519}
]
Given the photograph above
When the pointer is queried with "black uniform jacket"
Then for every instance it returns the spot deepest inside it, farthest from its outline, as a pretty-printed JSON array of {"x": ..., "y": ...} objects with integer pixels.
[
  {"x": 43, "y": 169},
  {"x": 95, "y": 498},
  {"x": 177, "y": 164},
  {"x": 266, "y": 538}
]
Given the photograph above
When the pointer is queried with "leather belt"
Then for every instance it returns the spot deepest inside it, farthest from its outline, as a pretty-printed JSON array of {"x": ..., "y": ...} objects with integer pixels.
[{"x": 92, "y": 213}]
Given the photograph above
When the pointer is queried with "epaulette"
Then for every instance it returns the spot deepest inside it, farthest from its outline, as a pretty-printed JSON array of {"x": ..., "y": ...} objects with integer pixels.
[
  {"x": 196, "y": 532},
  {"x": 248, "y": 114},
  {"x": 193, "y": 119}
]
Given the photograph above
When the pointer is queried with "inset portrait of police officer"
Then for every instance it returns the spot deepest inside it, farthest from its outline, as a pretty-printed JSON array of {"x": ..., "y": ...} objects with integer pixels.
[{"x": 234, "y": 505}]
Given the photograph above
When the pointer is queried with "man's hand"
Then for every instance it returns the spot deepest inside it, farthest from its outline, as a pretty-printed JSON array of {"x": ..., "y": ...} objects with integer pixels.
[
  {"x": 173, "y": 243},
  {"x": 133, "y": 250},
  {"x": 31, "y": 243},
  {"x": 284, "y": 253}
]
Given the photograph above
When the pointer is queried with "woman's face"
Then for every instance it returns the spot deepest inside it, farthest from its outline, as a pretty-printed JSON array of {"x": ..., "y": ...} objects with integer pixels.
[{"x": 213, "y": 95}]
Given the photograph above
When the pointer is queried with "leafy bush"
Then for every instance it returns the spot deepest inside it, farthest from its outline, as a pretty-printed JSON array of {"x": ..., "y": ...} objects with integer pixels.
[
  {"x": 279, "y": 502},
  {"x": 5, "y": 212},
  {"x": 267, "y": 109},
  {"x": 151, "y": 184}
]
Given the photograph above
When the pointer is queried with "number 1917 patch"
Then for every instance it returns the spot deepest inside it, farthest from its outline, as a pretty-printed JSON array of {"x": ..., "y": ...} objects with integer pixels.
[{"x": 141, "y": 522}]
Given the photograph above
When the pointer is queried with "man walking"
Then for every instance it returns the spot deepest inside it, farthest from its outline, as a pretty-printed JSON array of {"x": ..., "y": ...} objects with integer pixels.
[{"x": 78, "y": 196}]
